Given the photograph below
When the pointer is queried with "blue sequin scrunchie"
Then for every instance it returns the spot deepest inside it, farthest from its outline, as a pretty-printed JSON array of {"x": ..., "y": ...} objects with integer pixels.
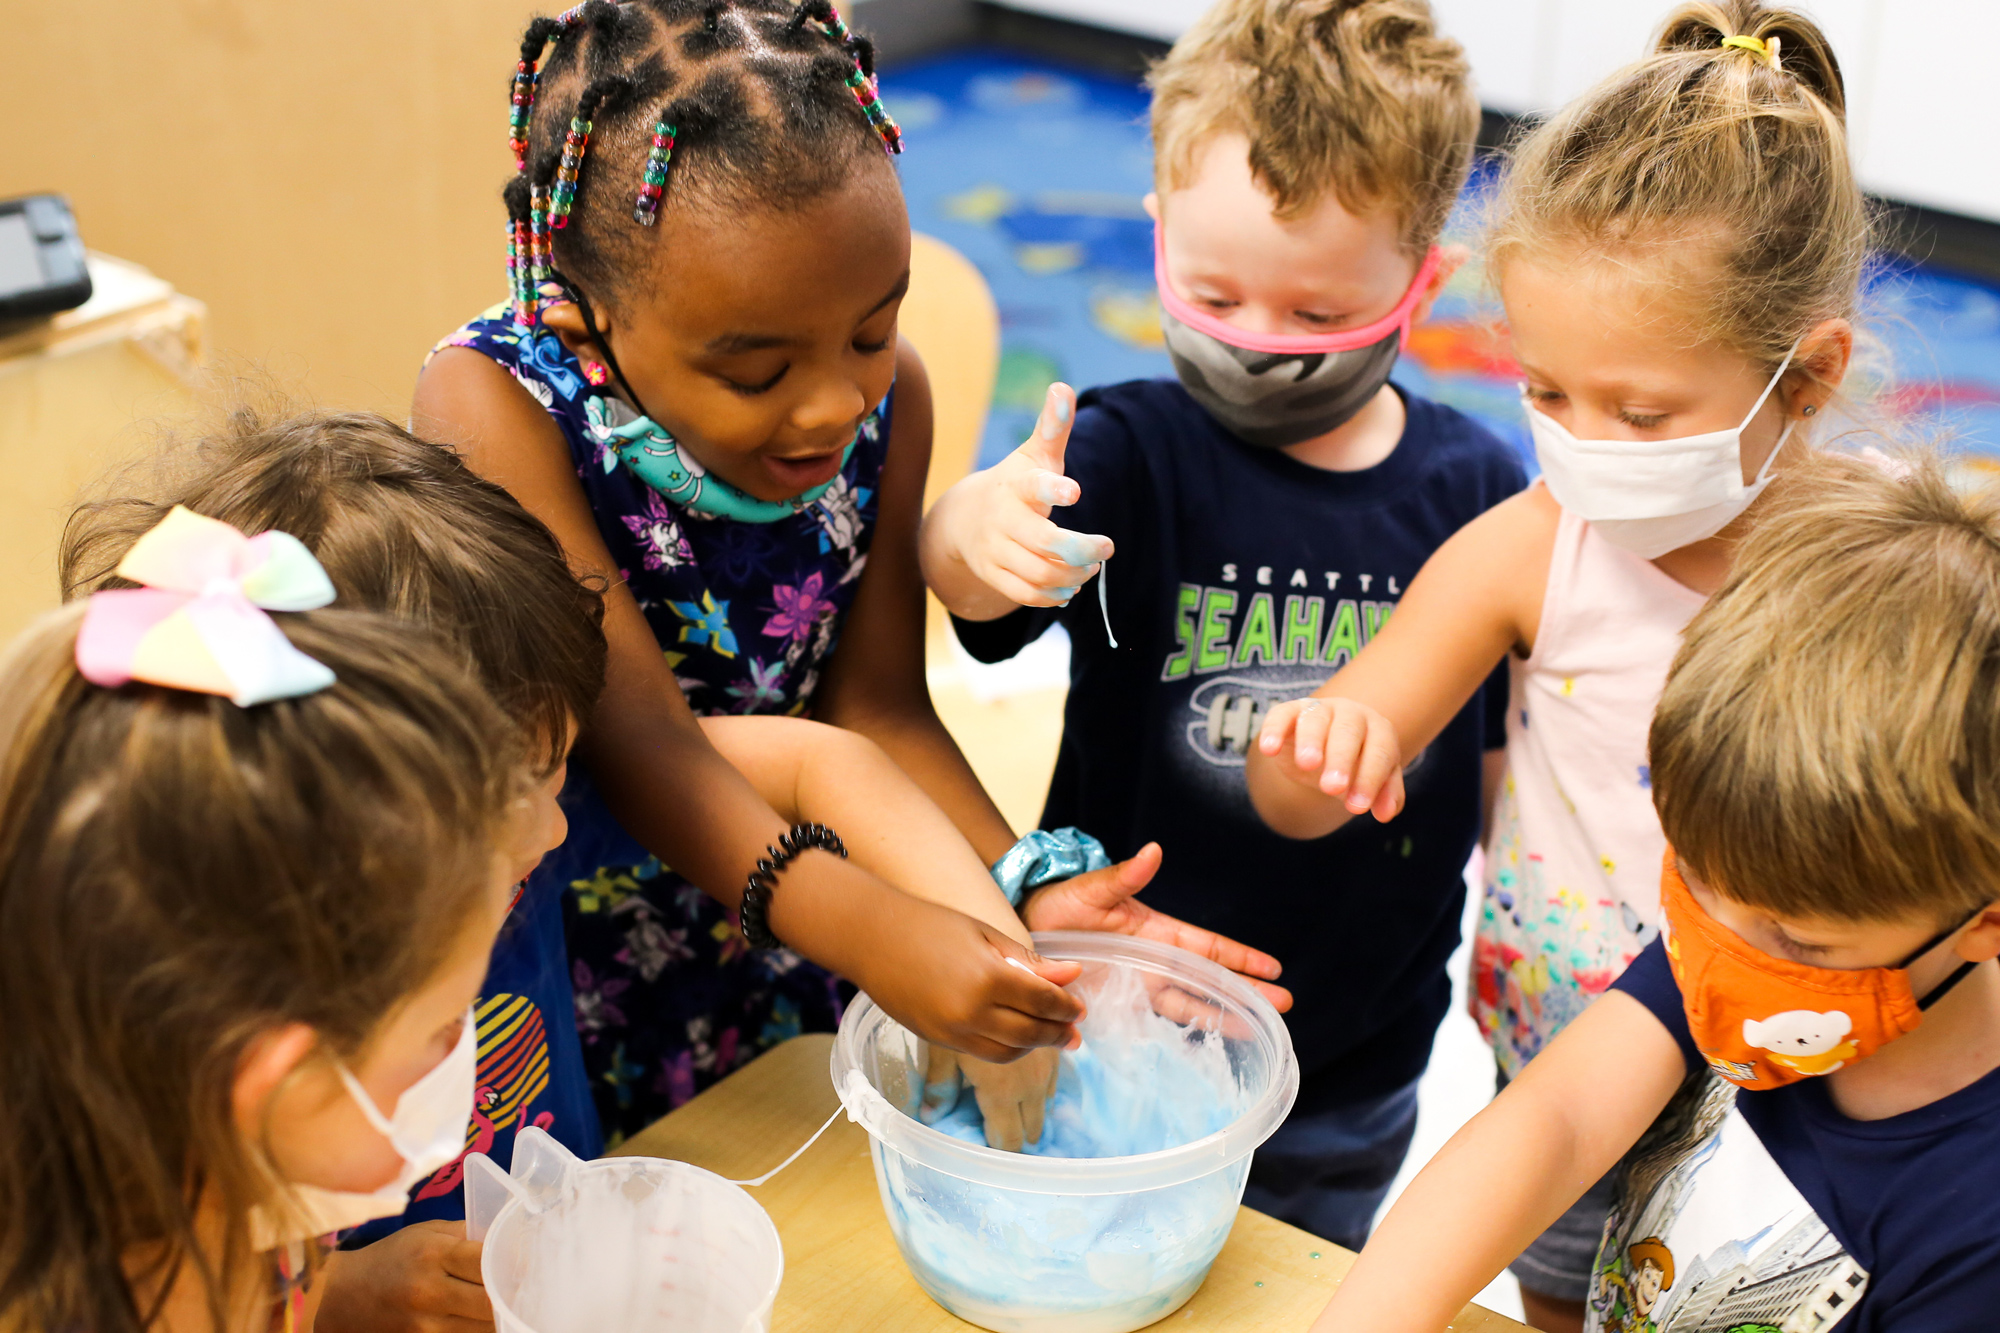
[{"x": 1045, "y": 856}]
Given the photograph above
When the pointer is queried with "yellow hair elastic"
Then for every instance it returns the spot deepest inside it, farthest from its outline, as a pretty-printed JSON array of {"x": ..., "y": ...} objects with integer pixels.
[{"x": 1757, "y": 47}]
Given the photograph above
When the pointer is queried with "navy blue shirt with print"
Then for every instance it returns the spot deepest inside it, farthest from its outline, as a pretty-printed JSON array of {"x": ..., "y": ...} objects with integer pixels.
[
  {"x": 1242, "y": 578},
  {"x": 1806, "y": 1218}
]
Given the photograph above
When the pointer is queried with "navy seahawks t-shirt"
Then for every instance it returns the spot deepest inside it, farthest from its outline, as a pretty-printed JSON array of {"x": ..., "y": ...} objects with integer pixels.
[
  {"x": 1244, "y": 578},
  {"x": 1757, "y": 1210}
]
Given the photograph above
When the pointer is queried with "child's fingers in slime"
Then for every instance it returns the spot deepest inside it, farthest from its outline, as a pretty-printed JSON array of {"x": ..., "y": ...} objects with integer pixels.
[
  {"x": 1078, "y": 551},
  {"x": 1024, "y": 589},
  {"x": 1011, "y": 1096},
  {"x": 1047, "y": 557},
  {"x": 940, "y": 1074},
  {"x": 1030, "y": 560}
]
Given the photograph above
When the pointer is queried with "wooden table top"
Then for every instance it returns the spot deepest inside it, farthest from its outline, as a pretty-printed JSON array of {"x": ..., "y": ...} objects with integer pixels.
[{"x": 842, "y": 1269}]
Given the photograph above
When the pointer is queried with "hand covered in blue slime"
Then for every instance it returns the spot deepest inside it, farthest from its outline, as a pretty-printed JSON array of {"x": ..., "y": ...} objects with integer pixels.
[
  {"x": 1007, "y": 1099},
  {"x": 1139, "y": 1099}
]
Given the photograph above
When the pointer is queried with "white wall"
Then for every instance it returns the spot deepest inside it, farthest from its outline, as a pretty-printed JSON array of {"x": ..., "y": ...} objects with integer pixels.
[{"x": 1924, "y": 101}]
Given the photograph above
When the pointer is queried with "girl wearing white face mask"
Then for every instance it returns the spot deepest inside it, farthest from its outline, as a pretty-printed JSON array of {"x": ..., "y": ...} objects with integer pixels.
[
  {"x": 1679, "y": 253},
  {"x": 239, "y": 936}
]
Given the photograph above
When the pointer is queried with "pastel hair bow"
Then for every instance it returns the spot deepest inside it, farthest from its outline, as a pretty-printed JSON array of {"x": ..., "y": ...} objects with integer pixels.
[{"x": 199, "y": 622}]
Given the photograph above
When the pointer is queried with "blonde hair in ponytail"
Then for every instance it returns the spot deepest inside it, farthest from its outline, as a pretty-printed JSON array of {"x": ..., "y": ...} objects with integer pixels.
[
  {"x": 1727, "y": 163},
  {"x": 1361, "y": 98}
]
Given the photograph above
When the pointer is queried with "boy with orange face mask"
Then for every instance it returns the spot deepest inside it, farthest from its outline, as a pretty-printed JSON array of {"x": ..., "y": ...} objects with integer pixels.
[{"x": 1817, "y": 1030}]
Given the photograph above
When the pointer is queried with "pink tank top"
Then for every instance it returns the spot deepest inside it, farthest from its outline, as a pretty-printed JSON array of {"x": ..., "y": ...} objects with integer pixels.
[{"x": 1572, "y": 877}]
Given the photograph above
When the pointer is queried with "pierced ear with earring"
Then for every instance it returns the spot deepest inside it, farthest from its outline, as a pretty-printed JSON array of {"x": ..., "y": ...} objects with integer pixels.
[
  {"x": 598, "y": 375},
  {"x": 1808, "y": 411}
]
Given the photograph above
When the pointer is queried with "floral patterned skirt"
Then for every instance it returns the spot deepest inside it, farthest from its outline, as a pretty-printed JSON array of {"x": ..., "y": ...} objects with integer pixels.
[{"x": 669, "y": 995}]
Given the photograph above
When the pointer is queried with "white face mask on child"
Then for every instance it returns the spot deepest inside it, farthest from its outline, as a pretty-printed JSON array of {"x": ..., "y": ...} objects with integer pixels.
[
  {"x": 427, "y": 1131},
  {"x": 1653, "y": 496}
]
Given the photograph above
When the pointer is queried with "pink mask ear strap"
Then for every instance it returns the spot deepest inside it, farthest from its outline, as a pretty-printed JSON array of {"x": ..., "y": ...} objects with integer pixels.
[
  {"x": 1398, "y": 320},
  {"x": 1419, "y": 287}
]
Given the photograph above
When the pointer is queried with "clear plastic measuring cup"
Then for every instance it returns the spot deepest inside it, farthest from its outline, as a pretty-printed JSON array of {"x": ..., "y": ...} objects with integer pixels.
[{"x": 631, "y": 1244}]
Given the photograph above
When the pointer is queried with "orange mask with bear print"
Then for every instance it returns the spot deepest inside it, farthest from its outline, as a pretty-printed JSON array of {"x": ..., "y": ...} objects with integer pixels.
[{"x": 1762, "y": 1022}]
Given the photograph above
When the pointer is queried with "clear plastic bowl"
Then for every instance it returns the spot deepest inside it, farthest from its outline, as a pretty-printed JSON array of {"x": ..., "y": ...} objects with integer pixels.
[{"x": 1024, "y": 1244}]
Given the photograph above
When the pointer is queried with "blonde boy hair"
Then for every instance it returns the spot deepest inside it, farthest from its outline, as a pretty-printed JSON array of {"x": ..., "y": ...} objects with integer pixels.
[
  {"x": 1828, "y": 743},
  {"x": 1724, "y": 166},
  {"x": 1363, "y": 98}
]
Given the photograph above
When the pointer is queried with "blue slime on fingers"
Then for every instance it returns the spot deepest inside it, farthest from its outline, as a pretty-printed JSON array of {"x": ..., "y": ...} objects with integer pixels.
[
  {"x": 1083, "y": 1263},
  {"x": 939, "y": 1098},
  {"x": 1074, "y": 549}
]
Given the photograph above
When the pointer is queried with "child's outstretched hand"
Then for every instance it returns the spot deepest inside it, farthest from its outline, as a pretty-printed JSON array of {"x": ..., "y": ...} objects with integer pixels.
[
  {"x": 1106, "y": 900},
  {"x": 1011, "y": 1097},
  {"x": 992, "y": 534},
  {"x": 1339, "y": 747}
]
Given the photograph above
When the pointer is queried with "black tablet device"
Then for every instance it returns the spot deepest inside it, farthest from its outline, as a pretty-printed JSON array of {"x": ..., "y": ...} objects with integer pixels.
[{"x": 41, "y": 258}]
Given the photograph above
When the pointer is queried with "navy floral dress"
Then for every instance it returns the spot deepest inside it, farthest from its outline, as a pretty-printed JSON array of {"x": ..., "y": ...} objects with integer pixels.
[{"x": 669, "y": 996}]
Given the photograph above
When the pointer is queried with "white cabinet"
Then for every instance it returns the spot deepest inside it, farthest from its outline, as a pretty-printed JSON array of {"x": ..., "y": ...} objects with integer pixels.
[
  {"x": 1923, "y": 103},
  {"x": 1923, "y": 113},
  {"x": 1929, "y": 110}
]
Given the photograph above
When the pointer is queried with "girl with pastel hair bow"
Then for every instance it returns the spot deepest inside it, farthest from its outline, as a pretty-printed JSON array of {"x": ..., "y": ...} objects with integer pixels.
[{"x": 248, "y": 887}]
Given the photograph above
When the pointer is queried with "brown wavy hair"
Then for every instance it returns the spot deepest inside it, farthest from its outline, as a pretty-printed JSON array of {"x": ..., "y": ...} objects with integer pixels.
[
  {"x": 1828, "y": 743},
  {"x": 1727, "y": 174},
  {"x": 402, "y": 525},
  {"x": 178, "y": 875},
  {"x": 1365, "y": 99}
]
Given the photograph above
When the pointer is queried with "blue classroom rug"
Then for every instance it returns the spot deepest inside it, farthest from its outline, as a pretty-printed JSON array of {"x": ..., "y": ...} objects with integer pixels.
[{"x": 1035, "y": 170}]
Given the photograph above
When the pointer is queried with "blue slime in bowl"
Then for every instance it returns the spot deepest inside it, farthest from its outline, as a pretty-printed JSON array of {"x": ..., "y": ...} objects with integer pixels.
[{"x": 1113, "y": 1218}]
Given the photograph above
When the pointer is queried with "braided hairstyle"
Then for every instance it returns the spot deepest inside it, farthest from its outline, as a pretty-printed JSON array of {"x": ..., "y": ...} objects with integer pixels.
[{"x": 749, "y": 103}]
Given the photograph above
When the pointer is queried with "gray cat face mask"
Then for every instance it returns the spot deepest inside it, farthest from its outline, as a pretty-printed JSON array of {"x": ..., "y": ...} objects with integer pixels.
[{"x": 1274, "y": 390}]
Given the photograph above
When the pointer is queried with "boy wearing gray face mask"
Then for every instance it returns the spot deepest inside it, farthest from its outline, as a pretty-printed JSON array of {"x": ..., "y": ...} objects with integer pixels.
[{"x": 1268, "y": 508}]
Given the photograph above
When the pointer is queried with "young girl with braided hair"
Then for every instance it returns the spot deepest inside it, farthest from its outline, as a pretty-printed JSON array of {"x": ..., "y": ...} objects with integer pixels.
[
  {"x": 692, "y": 386},
  {"x": 1680, "y": 254},
  {"x": 251, "y": 869}
]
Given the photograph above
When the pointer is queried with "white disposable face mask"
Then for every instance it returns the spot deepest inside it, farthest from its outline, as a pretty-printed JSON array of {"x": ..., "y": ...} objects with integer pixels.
[
  {"x": 1653, "y": 496},
  {"x": 427, "y": 1131}
]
